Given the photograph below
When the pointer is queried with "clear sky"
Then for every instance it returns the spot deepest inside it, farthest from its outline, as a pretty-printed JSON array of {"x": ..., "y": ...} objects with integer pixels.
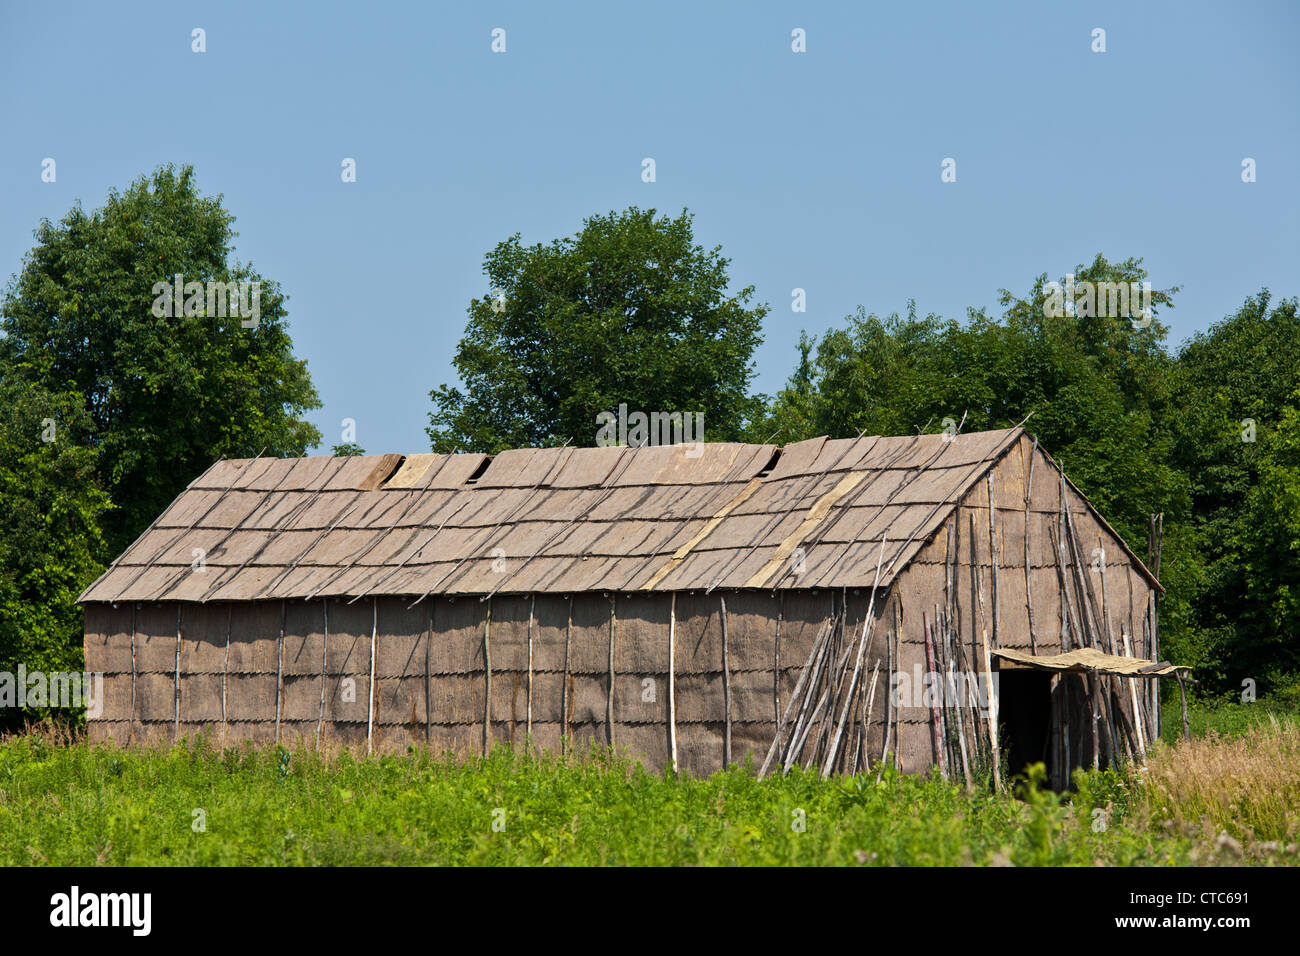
[{"x": 818, "y": 170}]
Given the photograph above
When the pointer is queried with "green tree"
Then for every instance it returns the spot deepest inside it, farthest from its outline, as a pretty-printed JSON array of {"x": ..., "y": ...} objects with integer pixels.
[
  {"x": 50, "y": 543},
  {"x": 1097, "y": 387},
  {"x": 629, "y": 310},
  {"x": 1233, "y": 428},
  {"x": 1269, "y": 639},
  {"x": 165, "y": 396}
]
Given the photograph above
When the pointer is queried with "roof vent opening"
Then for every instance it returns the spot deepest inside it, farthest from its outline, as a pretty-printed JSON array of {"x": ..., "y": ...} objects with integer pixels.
[
  {"x": 401, "y": 460},
  {"x": 771, "y": 463},
  {"x": 478, "y": 472}
]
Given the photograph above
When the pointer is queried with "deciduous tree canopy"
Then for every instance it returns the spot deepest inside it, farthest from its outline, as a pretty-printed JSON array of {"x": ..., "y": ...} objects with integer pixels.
[
  {"x": 628, "y": 311},
  {"x": 165, "y": 395}
]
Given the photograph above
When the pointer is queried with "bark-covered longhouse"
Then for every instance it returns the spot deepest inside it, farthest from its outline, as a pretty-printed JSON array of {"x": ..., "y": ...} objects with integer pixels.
[{"x": 702, "y": 604}]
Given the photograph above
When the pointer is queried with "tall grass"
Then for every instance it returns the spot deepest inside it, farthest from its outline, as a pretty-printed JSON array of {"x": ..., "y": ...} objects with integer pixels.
[
  {"x": 71, "y": 803},
  {"x": 1247, "y": 786},
  {"x": 192, "y": 804}
]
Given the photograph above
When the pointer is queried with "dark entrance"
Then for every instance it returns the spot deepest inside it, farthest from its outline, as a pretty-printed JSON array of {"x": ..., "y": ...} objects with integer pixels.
[{"x": 1024, "y": 716}]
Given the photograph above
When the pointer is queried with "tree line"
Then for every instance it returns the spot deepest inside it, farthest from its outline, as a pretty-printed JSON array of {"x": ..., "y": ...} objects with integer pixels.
[{"x": 108, "y": 409}]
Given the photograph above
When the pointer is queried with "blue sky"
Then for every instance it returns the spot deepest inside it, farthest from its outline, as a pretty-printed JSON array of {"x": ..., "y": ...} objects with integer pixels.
[{"x": 818, "y": 170}]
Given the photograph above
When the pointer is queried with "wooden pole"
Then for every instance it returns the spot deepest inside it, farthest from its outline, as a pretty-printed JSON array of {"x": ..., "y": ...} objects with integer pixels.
[
  {"x": 1058, "y": 552},
  {"x": 936, "y": 716},
  {"x": 898, "y": 659},
  {"x": 976, "y": 598},
  {"x": 889, "y": 701},
  {"x": 609, "y": 699},
  {"x": 961, "y": 730},
  {"x": 863, "y": 640},
  {"x": 564, "y": 683},
  {"x": 279, "y": 673},
  {"x": 1137, "y": 707},
  {"x": 370, "y": 705},
  {"x": 994, "y": 561},
  {"x": 726, "y": 688},
  {"x": 822, "y": 636},
  {"x": 528, "y": 730},
  {"x": 1108, "y": 682},
  {"x": 1155, "y": 617},
  {"x": 487, "y": 670},
  {"x": 1029, "y": 589},
  {"x": 176, "y": 700},
  {"x": 672, "y": 680},
  {"x": 1105, "y": 612},
  {"x": 130, "y": 732},
  {"x": 871, "y": 703},
  {"x": 324, "y": 669},
  {"x": 428, "y": 679},
  {"x": 1182, "y": 693},
  {"x": 994, "y": 752},
  {"x": 1088, "y": 616},
  {"x": 776, "y": 660},
  {"x": 804, "y": 722},
  {"x": 225, "y": 667}
]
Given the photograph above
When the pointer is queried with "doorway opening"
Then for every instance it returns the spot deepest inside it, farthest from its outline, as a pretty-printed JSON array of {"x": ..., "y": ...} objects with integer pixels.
[{"x": 1024, "y": 716}]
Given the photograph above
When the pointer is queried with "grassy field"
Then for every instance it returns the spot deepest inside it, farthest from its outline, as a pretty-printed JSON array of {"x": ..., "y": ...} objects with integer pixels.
[{"x": 1222, "y": 799}]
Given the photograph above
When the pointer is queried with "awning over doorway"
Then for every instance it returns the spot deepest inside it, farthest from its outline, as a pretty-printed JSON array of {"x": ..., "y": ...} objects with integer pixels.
[{"x": 1088, "y": 659}]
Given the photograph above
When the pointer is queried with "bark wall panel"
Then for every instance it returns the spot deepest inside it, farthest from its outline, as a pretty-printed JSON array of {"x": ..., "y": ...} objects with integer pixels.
[
  {"x": 155, "y": 639},
  {"x": 301, "y": 698},
  {"x": 641, "y": 642},
  {"x": 457, "y": 646},
  {"x": 200, "y": 698},
  {"x": 108, "y": 639},
  {"x": 254, "y": 638},
  {"x": 204, "y": 628},
  {"x": 304, "y": 637},
  {"x": 640, "y": 699},
  {"x": 589, "y": 640},
  {"x": 550, "y": 620}
]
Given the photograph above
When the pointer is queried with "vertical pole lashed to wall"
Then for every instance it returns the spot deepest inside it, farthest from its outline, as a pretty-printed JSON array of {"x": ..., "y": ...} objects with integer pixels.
[
  {"x": 726, "y": 689},
  {"x": 1138, "y": 719},
  {"x": 428, "y": 680},
  {"x": 994, "y": 751},
  {"x": 487, "y": 670},
  {"x": 564, "y": 682},
  {"x": 130, "y": 730},
  {"x": 976, "y": 601},
  {"x": 937, "y": 730},
  {"x": 609, "y": 699},
  {"x": 1029, "y": 589},
  {"x": 1182, "y": 696},
  {"x": 532, "y": 603},
  {"x": 324, "y": 667},
  {"x": 279, "y": 672},
  {"x": 898, "y": 663},
  {"x": 370, "y": 702},
  {"x": 225, "y": 669},
  {"x": 889, "y": 700},
  {"x": 776, "y": 660},
  {"x": 1155, "y": 617},
  {"x": 994, "y": 561},
  {"x": 1058, "y": 552},
  {"x": 672, "y": 680},
  {"x": 176, "y": 727}
]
